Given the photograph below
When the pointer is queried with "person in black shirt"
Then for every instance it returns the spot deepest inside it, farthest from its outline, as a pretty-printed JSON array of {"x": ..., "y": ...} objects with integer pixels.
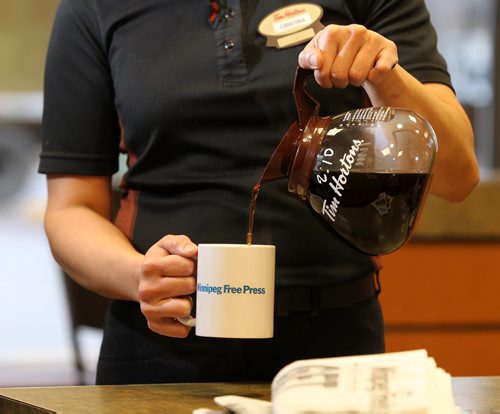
[{"x": 198, "y": 100}]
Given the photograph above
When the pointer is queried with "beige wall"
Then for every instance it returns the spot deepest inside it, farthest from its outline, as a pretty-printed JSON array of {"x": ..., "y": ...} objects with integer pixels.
[{"x": 24, "y": 32}]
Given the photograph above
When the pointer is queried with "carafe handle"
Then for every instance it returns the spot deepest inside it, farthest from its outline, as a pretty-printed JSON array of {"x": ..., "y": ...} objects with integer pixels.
[{"x": 307, "y": 106}]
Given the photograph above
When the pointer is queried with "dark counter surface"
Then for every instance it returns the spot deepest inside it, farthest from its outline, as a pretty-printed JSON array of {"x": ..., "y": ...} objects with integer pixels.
[{"x": 475, "y": 395}]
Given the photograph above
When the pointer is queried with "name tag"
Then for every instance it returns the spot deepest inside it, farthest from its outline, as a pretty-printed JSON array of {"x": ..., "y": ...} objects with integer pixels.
[{"x": 291, "y": 25}]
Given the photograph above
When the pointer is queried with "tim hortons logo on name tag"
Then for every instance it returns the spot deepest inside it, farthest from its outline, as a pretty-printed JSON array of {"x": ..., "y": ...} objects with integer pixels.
[{"x": 291, "y": 25}]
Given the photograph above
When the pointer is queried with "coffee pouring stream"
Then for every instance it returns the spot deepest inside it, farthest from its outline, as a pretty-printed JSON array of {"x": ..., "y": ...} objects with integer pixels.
[{"x": 365, "y": 173}]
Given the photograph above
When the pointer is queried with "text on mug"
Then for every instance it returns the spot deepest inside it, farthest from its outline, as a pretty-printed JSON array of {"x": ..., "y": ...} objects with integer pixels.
[{"x": 228, "y": 289}]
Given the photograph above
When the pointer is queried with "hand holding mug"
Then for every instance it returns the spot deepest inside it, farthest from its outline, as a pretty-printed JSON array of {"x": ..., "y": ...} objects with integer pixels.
[{"x": 165, "y": 283}]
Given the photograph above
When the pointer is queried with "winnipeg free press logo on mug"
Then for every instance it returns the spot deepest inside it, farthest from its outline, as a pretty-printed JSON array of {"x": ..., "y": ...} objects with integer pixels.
[
  {"x": 227, "y": 289},
  {"x": 235, "y": 291}
]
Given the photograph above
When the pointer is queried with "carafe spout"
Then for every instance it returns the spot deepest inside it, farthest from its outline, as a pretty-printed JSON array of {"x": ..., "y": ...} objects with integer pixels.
[{"x": 280, "y": 164}]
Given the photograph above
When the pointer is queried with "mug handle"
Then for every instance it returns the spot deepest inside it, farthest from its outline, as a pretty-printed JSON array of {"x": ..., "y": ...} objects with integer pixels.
[{"x": 187, "y": 320}]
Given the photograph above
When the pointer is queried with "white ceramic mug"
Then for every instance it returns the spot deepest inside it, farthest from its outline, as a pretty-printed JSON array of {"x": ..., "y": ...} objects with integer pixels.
[{"x": 234, "y": 291}]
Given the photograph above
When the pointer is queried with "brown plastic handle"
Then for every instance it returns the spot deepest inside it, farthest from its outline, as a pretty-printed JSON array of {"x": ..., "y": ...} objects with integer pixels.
[
  {"x": 307, "y": 106},
  {"x": 281, "y": 161}
]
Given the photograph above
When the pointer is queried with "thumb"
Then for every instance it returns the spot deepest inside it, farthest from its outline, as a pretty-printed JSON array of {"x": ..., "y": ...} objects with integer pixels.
[{"x": 178, "y": 244}]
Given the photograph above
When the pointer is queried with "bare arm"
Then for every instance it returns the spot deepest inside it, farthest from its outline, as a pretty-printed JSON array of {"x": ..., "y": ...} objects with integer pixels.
[
  {"x": 456, "y": 171},
  {"x": 343, "y": 55},
  {"x": 98, "y": 256},
  {"x": 84, "y": 241}
]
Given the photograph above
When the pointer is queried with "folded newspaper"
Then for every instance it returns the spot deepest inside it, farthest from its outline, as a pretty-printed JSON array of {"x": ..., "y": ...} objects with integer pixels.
[{"x": 391, "y": 383}]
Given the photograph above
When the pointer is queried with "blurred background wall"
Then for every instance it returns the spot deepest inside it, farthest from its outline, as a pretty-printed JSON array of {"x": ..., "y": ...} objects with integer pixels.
[
  {"x": 35, "y": 342},
  {"x": 24, "y": 33},
  {"x": 439, "y": 292},
  {"x": 441, "y": 289}
]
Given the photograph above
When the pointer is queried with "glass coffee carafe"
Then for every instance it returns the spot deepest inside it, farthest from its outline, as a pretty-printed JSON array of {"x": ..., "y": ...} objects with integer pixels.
[{"x": 365, "y": 172}]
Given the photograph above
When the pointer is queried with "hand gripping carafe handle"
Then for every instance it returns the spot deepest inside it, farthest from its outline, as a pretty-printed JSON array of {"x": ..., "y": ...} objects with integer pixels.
[{"x": 307, "y": 106}]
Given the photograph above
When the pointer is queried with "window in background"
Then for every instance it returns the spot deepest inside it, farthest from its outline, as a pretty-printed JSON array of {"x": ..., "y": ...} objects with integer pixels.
[{"x": 467, "y": 38}]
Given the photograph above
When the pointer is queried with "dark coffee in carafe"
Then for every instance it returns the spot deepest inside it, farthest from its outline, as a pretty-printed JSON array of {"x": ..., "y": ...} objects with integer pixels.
[
  {"x": 376, "y": 220},
  {"x": 365, "y": 172}
]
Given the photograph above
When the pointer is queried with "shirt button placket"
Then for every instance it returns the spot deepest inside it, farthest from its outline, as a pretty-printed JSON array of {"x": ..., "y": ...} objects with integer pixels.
[
  {"x": 230, "y": 58},
  {"x": 228, "y": 44}
]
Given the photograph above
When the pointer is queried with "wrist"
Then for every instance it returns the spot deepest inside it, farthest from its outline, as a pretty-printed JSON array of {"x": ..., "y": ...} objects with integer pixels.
[
  {"x": 136, "y": 276},
  {"x": 392, "y": 90}
]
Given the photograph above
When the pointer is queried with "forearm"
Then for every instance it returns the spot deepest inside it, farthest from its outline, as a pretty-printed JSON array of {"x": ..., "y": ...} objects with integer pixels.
[
  {"x": 95, "y": 253},
  {"x": 98, "y": 256},
  {"x": 456, "y": 171}
]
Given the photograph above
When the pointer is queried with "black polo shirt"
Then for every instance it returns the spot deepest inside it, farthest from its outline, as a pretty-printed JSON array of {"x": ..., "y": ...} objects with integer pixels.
[{"x": 199, "y": 111}]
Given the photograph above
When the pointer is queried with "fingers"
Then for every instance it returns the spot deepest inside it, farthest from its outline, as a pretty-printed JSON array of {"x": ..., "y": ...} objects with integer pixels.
[
  {"x": 168, "y": 325},
  {"x": 156, "y": 289},
  {"x": 166, "y": 280},
  {"x": 175, "y": 244},
  {"x": 171, "y": 265},
  {"x": 165, "y": 271},
  {"x": 164, "y": 299},
  {"x": 341, "y": 46},
  {"x": 178, "y": 244},
  {"x": 161, "y": 312},
  {"x": 348, "y": 55},
  {"x": 311, "y": 58},
  {"x": 386, "y": 63},
  {"x": 178, "y": 307}
]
